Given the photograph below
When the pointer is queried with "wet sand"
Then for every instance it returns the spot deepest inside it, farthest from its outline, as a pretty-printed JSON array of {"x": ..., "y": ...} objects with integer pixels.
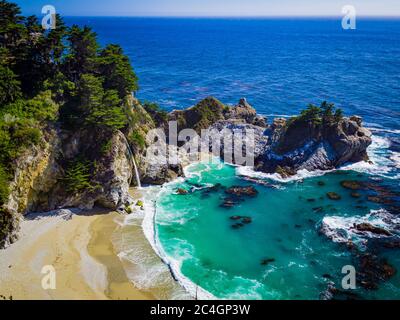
[{"x": 81, "y": 252}]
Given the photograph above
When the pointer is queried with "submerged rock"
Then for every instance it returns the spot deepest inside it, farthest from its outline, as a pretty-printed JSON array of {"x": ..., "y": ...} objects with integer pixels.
[
  {"x": 242, "y": 191},
  {"x": 379, "y": 199},
  {"x": 228, "y": 203},
  {"x": 333, "y": 196},
  {"x": 267, "y": 261},
  {"x": 182, "y": 191},
  {"x": 370, "y": 228},
  {"x": 352, "y": 184},
  {"x": 247, "y": 220},
  {"x": 373, "y": 270},
  {"x": 318, "y": 209},
  {"x": 237, "y": 225}
]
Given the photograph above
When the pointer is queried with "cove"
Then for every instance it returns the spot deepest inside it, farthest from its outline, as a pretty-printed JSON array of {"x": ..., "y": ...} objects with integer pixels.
[{"x": 270, "y": 246}]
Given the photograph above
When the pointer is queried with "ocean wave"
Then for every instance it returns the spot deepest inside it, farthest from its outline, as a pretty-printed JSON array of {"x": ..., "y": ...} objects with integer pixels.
[
  {"x": 382, "y": 163},
  {"x": 301, "y": 174},
  {"x": 382, "y": 130},
  {"x": 395, "y": 157},
  {"x": 174, "y": 265},
  {"x": 341, "y": 229}
]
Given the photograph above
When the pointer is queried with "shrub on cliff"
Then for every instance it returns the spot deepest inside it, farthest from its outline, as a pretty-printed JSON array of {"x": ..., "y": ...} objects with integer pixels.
[
  {"x": 325, "y": 114},
  {"x": 77, "y": 177},
  {"x": 137, "y": 139},
  {"x": 159, "y": 115},
  {"x": 9, "y": 86},
  {"x": 4, "y": 191}
]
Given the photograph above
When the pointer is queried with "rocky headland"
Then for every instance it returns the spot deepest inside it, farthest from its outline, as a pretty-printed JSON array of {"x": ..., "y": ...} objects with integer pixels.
[{"x": 107, "y": 159}]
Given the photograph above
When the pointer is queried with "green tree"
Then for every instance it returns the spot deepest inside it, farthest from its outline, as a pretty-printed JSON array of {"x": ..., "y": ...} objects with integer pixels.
[
  {"x": 110, "y": 113},
  {"x": 90, "y": 92},
  {"x": 117, "y": 71},
  {"x": 77, "y": 177},
  {"x": 99, "y": 107},
  {"x": 338, "y": 115},
  {"x": 9, "y": 86},
  {"x": 311, "y": 114},
  {"x": 82, "y": 52},
  {"x": 11, "y": 24},
  {"x": 62, "y": 89}
]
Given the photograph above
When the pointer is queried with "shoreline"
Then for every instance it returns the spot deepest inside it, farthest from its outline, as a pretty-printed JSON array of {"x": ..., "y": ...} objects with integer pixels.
[
  {"x": 101, "y": 254},
  {"x": 80, "y": 250},
  {"x": 191, "y": 287}
]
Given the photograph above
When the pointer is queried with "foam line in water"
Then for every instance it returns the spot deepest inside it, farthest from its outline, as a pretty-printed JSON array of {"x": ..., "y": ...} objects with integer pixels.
[
  {"x": 150, "y": 232},
  {"x": 393, "y": 131},
  {"x": 383, "y": 160}
]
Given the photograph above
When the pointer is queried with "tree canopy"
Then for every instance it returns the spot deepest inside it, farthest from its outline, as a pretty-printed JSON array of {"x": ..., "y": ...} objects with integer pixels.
[{"x": 60, "y": 75}]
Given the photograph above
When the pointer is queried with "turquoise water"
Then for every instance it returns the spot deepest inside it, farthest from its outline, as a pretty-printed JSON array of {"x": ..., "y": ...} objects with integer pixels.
[
  {"x": 279, "y": 65},
  {"x": 197, "y": 236}
]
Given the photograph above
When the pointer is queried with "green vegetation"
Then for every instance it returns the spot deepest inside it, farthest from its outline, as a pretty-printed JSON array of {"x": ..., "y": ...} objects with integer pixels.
[
  {"x": 3, "y": 185},
  {"x": 138, "y": 139},
  {"x": 77, "y": 177},
  {"x": 159, "y": 115},
  {"x": 200, "y": 116},
  {"x": 106, "y": 147},
  {"x": 56, "y": 76},
  {"x": 325, "y": 114}
]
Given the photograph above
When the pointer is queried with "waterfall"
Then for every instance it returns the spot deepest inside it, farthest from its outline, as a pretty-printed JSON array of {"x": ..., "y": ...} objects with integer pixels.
[
  {"x": 137, "y": 173},
  {"x": 134, "y": 162}
]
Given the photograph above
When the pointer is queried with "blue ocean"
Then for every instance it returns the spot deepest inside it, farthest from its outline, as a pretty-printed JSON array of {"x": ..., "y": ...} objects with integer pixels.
[{"x": 298, "y": 238}]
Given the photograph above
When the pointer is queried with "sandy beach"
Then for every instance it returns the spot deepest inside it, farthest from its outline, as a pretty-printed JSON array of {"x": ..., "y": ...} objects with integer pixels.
[{"x": 79, "y": 248}]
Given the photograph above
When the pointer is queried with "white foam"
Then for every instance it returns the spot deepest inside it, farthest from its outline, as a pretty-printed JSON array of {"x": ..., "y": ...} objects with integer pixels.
[
  {"x": 395, "y": 157},
  {"x": 379, "y": 155},
  {"x": 150, "y": 232},
  {"x": 341, "y": 229},
  {"x": 300, "y": 175},
  {"x": 384, "y": 130}
]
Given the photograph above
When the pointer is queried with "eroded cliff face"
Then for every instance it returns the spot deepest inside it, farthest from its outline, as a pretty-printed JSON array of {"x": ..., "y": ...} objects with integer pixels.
[
  {"x": 40, "y": 181},
  {"x": 36, "y": 173},
  {"x": 285, "y": 147},
  {"x": 307, "y": 146},
  {"x": 111, "y": 170}
]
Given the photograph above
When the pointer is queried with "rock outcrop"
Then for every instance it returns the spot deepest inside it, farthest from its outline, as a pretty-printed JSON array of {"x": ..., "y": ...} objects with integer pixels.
[
  {"x": 287, "y": 146},
  {"x": 304, "y": 145},
  {"x": 39, "y": 182}
]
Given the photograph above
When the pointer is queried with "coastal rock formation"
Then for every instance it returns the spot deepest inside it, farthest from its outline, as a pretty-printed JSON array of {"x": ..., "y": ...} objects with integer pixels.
[
  {"x": 321, "y": 142},
  {"x": 103, "y": 162},
  {"x": 39, "y": 183},
  {"x": 301, "y": 145},
  {"x": 242, "y": 191},
  {"x": 210, "y": 110}
]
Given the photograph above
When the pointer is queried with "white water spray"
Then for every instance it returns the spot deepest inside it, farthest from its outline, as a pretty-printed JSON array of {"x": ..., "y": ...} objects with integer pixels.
[
  {"x": 139, "y": 185},
  {"x": 137, "y": 173}
]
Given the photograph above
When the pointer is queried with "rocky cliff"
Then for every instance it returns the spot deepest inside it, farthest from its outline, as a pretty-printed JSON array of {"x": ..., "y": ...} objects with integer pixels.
[
  {"x": 95, "y": 167},
  {"x": 304, "y": 145},
  {"x": 288, "y": 145}
]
